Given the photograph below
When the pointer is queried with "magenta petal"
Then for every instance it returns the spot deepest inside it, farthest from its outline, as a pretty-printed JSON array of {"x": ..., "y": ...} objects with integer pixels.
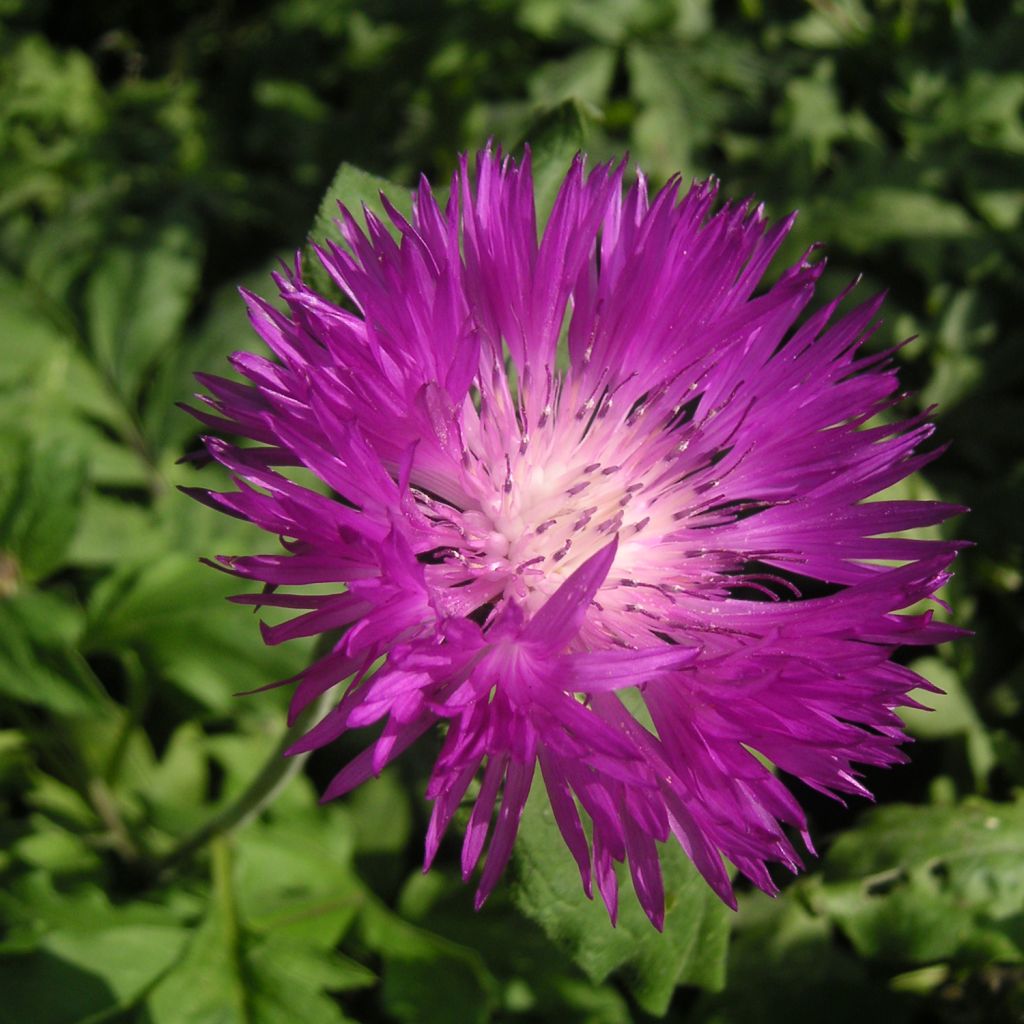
[
  {"x": 513, "y": 800},
  {"x": 567, "y": 817},
  {"x": 558, "y": 621},
  {"x": 592, "y": 671},
  {"x": 646, "y": 873},
  {"x": 480, "y": 819},
  {"x": 373, "y": 760},
  {"x": 445, "y": 807}
]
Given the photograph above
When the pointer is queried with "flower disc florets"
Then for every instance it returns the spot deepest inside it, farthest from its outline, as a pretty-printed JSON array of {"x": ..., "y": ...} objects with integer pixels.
[{"x": 565, "y": 469}]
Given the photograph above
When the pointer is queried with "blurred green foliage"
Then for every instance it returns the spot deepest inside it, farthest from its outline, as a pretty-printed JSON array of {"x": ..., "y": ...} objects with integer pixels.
[{"x": 154, "y": 156}]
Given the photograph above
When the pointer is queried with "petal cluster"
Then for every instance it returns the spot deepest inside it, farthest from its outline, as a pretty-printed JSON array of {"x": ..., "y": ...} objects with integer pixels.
[{"x": 597, "y": 501}]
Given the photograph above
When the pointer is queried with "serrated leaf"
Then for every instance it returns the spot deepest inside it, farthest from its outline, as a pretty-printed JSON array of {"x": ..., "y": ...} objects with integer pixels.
[
  {"x": 79, "y": 976},
  {"x": 72, "y": 956},
  {"x": 54, "y": 849},
  {"x": 293, "y": 979},
  {"x": 294, "y": 877},
  {"x": 227, "y": 976},
  {"x": 427, "y": 979},
  {"x": 32, "y": 908},
  {"x": 136, "y": 303},
  {"x": 554, "y": 139},
  {"x": 223, "y": 329},
  {"x": 174, "y": 790},
  {"x": 43, "y": 483},
  {"x": 691, "y": 951},
  {"x": 586, "y": 76},
  {"x": 886, "y": 214},
  {"x": 112, "y": 531},
  {"x": 354, "y": 188},
  {"x": 784, "y": 966},
  {"x": 533, "y": 973},
  {"x": 953, "y": 714},
  {"x": 381, "y": 814},
  {"x": 175, "y": 612},
  {"x": 36, "y": 630},
  {"x": 916, "y": 884}
]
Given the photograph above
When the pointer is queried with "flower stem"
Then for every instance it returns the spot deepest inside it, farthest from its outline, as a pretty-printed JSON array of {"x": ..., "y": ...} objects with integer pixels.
[{"x": 276, "y": 773}]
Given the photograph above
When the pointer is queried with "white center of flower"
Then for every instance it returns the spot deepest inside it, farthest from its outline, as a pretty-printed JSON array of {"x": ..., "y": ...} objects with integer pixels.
[{"x": 547, "y": 503}]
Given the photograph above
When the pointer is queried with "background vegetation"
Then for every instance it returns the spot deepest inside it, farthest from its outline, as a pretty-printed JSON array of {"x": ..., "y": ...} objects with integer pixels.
[{"x": 153, "y": 156}]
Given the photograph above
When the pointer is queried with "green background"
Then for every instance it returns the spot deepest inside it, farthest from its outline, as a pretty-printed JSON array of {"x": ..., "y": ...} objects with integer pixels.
[{"x": 152, "y": 157}]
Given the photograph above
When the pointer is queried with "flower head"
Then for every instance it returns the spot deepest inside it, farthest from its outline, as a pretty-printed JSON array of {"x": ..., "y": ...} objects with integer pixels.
[{"x": 599, "y": 505}]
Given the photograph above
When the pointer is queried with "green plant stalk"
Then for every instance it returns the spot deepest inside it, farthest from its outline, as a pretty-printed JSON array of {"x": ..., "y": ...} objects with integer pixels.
[{"x": 276, "y": 773}]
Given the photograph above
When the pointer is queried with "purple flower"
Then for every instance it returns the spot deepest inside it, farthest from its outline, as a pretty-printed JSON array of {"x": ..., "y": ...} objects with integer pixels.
[{"x": 575, "y": 492}]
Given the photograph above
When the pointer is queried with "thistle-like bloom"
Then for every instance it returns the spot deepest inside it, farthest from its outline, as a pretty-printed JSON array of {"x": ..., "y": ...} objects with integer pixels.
[{"x": 574, "y": 493}]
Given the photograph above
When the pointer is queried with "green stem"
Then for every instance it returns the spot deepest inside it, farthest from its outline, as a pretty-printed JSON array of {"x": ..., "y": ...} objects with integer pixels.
[
  {"x": 224, "y": 897},
  {"x": 105, "y": 805},
  {"x": 137, "y": 699},
  {"x": 276, "y": 773}
]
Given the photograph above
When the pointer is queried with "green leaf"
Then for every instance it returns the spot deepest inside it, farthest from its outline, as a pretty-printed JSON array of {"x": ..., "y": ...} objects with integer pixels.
[
  {"x": 294, "y": 877},
  {"x": 223, "y": 329},
  {"x": 691, "y": 951},
  {"x": 47, "y": 618},
  {"x": 80, "y": 976},
  {"x": 112, "y": 531},
  {"x": 36, "y": 632},
  {"x": 50, "y": 391},
  {"x": 73, "y": 957},
  {"x": 136, "y": 303},
  {"x": 175, "y": 789},
  {"x": 812, "y": 115},
  {"x": 293, "y": 980},
  {"x": 382, "y": 814},
  {"x": 885, "y": 214},
  {"x": 427, "y": 979},
  {"x": 609, "y": 21},
  {"x": 533, "y": 974},
  {"x": 207, "y": 987},
  {"x": 355, "y": 188},
  {"x": 54, "y": 849},
  {"x": 56, "y": 412},
  {"x": 174, "y": 612},
  {"x": 917, "y": 884},
  {"x": 15, "y": 757},
  {"x": 986, "y": 108},
  {"x": 410, "y": 991},
  {"x": 228, "y": 976},
  {"x": 784, "y": 966},
  {"x": 41, "y": 489},
  {"x": 554, "y": 139},
  {"x": 954, "y": 714},
  {"x": 32, "y": 908},
  {"x": 61, "y": 802},
  {"x": 585, "y": 76},
  {"x": 844, "y": 23}
]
